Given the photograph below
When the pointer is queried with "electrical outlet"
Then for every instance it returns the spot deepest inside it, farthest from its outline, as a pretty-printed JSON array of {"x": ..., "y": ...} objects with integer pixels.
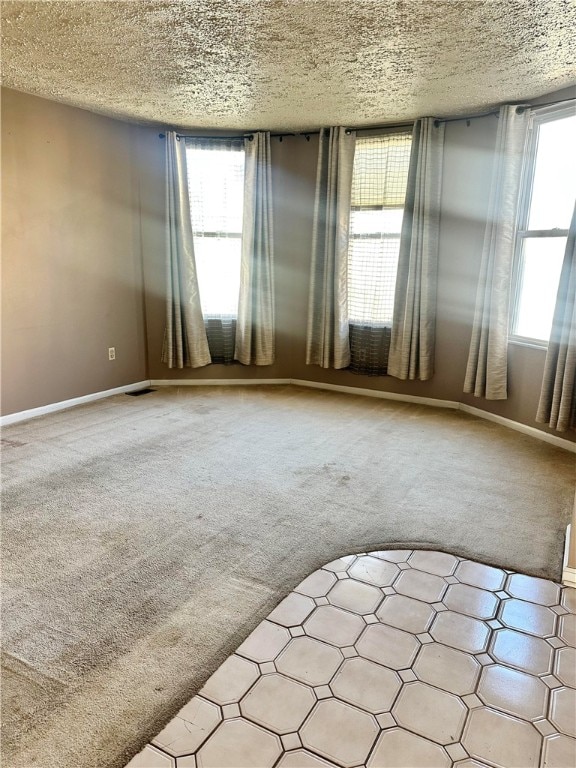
[{"x": 111, "y": 353}]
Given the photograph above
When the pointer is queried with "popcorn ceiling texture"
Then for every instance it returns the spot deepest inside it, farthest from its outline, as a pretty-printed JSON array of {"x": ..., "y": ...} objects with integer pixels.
[{"x": 288, "y": 64}]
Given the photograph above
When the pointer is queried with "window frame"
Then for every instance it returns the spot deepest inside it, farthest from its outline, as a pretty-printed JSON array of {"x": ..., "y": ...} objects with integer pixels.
[
  {"x": 407, "y": 129},
  {"x": 538, "y": 117}
]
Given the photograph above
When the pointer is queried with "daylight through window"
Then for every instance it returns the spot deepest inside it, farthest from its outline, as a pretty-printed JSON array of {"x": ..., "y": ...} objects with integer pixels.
[
  {"x": 549, "y": 191},
  {"x": 216, "y": 189},
  {"x": 378, "y": 192}
]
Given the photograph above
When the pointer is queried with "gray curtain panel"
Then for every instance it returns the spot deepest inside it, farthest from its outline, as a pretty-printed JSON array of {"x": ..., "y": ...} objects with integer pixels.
[
  {"x": 487, "y": 368},
  {"x": 411, "y": 353},
  {"x": 557, "y": 406},
  {"x": 185, "y": 342},
  {"x": 327, "y": 343},
  {"x": 255, "y": 325}
]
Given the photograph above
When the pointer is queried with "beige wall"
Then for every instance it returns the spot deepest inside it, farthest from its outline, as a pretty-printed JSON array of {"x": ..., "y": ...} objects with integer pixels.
[
  {"x": 467, "y": 169},
  {"x": 71, "y": 262}
]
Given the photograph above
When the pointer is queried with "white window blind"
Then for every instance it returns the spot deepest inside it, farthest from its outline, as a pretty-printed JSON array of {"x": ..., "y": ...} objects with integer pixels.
[
  {"x": 216, "y": 190},
  {"x": 379, "y": 182}
]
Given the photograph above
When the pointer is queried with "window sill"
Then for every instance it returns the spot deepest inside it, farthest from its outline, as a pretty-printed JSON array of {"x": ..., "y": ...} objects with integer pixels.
[{"x": 543, "y": 345}]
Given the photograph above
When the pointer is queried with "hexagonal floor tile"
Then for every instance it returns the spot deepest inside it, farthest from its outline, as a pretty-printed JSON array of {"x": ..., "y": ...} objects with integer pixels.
[
  {"x": 278, "y": 703},
  {"x": 472, "y": 601},
  {"x": 567, "y": 629},
  {"x": 393, "y": 555},
  {"x": 565, "y": 666},
  {"x": 239, "y": 744},
  {"x": 293, "y": 610},
  {"x": 459, "y": 631},
  {"x": 388, "y": 646},
  {"x": 367, "y": 685},
  {"x": 265, "y": 643},
  {"x": 301, "y": 758},
  {"x": 479, "y": 575},
  {"x": 317, "y": 584},
  {"x": 431, "y": 713},
  {"x": 528, "y": 617},
  {"x": 373, "y": 570},
  {"x": 406, "y": 613},
  {"x": 355, "y": 596},
  {"x": 533, "y": 589},
  {"x": 563, "y": 710},
  {"x": 529, "y": 654},
  {"x": 150, "y": 757},
  {"x": 309, "y": 661},
  {"x": 438, "y": 563},
  {"x": 447, "y": 668},
  {"x": 190, "y": 728},
  {"x": 396, "y": 748},
  {"x": 513, "y": 692},
  {"x": 501, "y": 740},
  {"x": 420, "y": 585},
  {"x": 558, "y": 751},
  {"x": 334, "y": 626},
  {"x": 340, "y": 733},
  {"x": 568, "y": 599},
  {"x": 231, "y": 680}
]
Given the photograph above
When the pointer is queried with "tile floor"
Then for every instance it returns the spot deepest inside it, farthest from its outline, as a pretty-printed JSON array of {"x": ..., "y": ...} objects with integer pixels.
[{"x": 394, "y": 659}]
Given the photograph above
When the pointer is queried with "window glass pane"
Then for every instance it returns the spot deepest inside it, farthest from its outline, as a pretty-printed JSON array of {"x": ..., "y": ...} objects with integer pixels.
[
  {"x": 378, "y": 192},
  {"x": 554, "y": 187},
  {"x": 539, "y": 278},
  {"x": 216, "y": 190},
  {"x": 218, "y": 268}
]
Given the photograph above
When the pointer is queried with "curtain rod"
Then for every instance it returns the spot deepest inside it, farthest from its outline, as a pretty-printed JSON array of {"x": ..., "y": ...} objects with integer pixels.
[{"x": 307, "y": 134}]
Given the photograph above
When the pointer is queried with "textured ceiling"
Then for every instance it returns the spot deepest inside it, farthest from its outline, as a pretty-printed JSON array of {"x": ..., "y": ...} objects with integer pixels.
[{"x": 288, "y": 64}]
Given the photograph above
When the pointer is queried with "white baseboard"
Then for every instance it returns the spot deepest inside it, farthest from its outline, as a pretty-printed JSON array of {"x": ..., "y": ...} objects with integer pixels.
[
  {"x": 32, "y": 413},
  {"x": 377, "y": 393},
  {"x": 559, "y": 442},
  {"x": 215, "y": 382},
  {"x": 569, "y": 577}
]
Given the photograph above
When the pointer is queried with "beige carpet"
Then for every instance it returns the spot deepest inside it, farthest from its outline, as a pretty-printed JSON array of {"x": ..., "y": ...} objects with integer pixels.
[{"x": 143, "y": 538}]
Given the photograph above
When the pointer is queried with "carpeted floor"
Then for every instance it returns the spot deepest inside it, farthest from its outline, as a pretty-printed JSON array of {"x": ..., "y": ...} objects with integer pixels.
[{"x": 144, "y": 538}]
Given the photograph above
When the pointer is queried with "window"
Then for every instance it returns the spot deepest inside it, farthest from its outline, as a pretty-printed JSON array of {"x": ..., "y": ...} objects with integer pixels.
[
  {"x": 546, "y": 203},
  {"x": 379, "y": 182},
  {"x": 216, "y": 190}
]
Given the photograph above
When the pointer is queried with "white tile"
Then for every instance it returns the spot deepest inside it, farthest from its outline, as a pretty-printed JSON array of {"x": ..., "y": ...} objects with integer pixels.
[
  {"x": 265, "y": 643},
  {"x": 355, "y": 596},
  {"x": 190, "y": 728},
  {"x": 514, "y": 692},
  {"x": 388, "y": 646},
  {"x": 421, "y": 586},
  {"x": 278, "y": 703},
  {"x": 565, "y": 666},
  {"x": 533, "y": 589},
  {"x": 393, "y": 555},
  {"x": 230, "y": 710},
  {"x": 478, "y": 575},
  {"x": 230, "y": 681},
  {"x": 150, "y": 757},
  {"x": 456, "y": 751},
  {"x": 267, "y": 667},
  {"x": 447, "y": 668},
  {"x": 397, "y": 748},
  {"x": 323, "y": 692},
  {"x": 459, "y": 631},
  {"x": 333, "y": 625},
  {"x": 340, "y": 733},
  {"x": 188, "y": 761},
  {"x": 406, "y": 613},
  {"x": 292, "y": 610},
  {"x": 366, "y": 685},
  {"x": 501, "y": 740},
  {"x": 429, "y": 712},
  {"x": 239, "y": 744},
  {"x": 567, "y": 629},
  {"x": 303, "y": 759},
  {"x": 559, "y": 751},
  {"x": 438, "y": 563},
  {"x": 568, "y": 599},
  {"x": 309, "y": 661},
  {"x": 373, "y": 570},
  {"x": 317, "y": 584},
  {"x": 291, "y": 741},
  {"x": 341, "y": 564},
  {"x": 563, "y": 710},
  {"x": 470, "y": 600},
  {"x": 515, "y": 649},
  {"x": 386, "y": 720},
  {"x": 528, "y": 617}
]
